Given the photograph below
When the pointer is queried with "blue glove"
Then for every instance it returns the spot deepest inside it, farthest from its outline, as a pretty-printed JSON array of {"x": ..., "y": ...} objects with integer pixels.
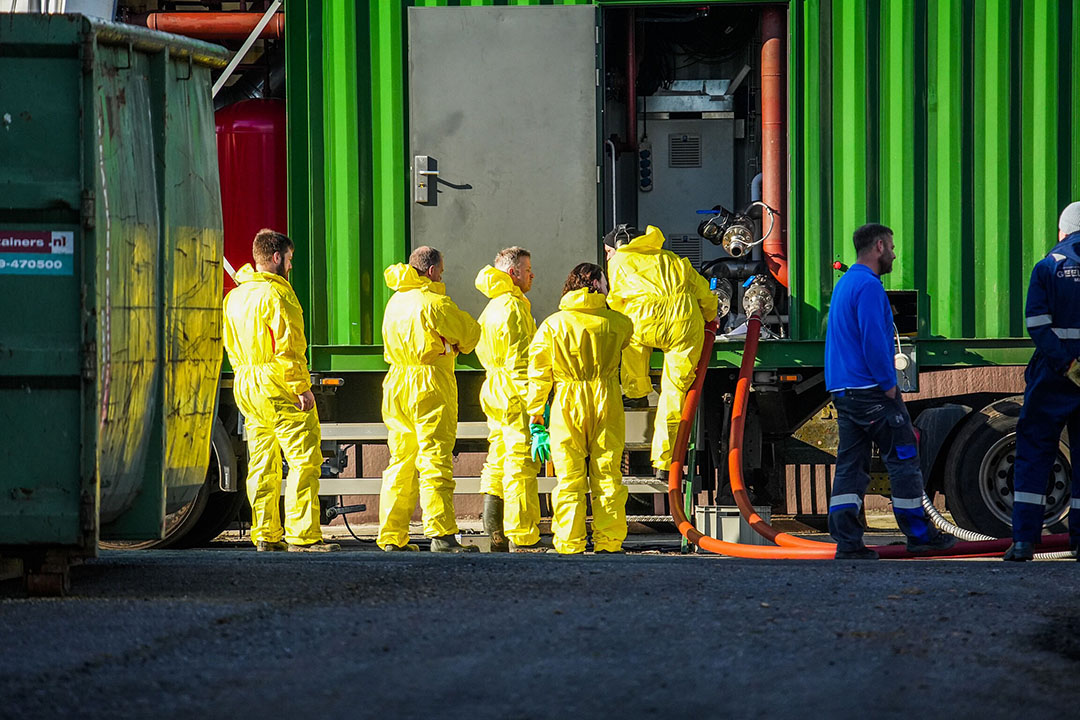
[{"x": 541, "y": 442}]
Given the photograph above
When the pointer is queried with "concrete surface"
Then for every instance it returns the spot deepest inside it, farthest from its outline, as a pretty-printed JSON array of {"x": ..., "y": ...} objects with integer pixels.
[{"x": 226, "y": 632}]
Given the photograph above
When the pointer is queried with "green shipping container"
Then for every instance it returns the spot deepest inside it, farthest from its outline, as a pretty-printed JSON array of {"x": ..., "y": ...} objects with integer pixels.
[
  {"x": 110, "y": 279},
  {"x": 957, "y": 123}
]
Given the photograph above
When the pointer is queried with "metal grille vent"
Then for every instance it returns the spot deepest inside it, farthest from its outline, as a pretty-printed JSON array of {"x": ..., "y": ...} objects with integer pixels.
[
  {"x": 684, "y": 151},
  {"x": 688, "y": 247}
]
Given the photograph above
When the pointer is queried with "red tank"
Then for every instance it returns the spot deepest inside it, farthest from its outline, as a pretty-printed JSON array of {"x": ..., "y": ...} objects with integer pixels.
[{"x": 251, "y": 159}]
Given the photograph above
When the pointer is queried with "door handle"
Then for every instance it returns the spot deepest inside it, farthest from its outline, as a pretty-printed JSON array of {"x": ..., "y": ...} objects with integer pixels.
[{"x": 425, "y": 179}]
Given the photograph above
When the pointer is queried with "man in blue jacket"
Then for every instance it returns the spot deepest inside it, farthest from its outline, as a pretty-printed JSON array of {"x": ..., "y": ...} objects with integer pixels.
[
  {"x": 860, "y": 373},
  {"x": 1052, "y": 396}
]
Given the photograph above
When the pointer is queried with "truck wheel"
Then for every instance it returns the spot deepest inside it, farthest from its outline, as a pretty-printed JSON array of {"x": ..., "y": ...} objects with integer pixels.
[
  {"x": 221, "y": 508},
  {"x": 979, "y": 472},
  {"x": 186, "y": 526}
]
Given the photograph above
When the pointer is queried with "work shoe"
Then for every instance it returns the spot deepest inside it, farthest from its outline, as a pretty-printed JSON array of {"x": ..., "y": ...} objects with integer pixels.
[
  {"x": 319, "y": 547},
  {"x": 1020, "y": 552},
  {"x": 553, "y": 551},
  {"x": 493, "y": 523},
  {"x": 635, "y": 403},
  {"x": 863, "y": 553},
  {"x": 449, "y": 544},
  {"x": 407, "y": 547},
  {"x": 611, "y": 552},
  {"x": 267, "y": 546},
  {"x": 941, "y": 541},
  {"x": 544, "y": 544}
]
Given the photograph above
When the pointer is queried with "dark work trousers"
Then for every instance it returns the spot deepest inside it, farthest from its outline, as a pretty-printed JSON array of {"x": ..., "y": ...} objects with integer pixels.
[
  {"x": 865, "y": 417},
  {"x": 1051, "y": 403}
]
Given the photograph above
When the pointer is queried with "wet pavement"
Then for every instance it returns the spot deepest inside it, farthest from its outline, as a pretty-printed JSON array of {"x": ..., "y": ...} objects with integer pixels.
[{"x": 226, "y": 632}]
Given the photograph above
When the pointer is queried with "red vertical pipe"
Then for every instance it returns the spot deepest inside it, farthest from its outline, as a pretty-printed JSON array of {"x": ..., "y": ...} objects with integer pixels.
[
  {"x": 773, "y": 140},
  {"x": 631, "y": 80}
]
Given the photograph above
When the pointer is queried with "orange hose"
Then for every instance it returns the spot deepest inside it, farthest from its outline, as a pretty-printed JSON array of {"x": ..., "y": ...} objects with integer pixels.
[{"x": 789, "y": 546}]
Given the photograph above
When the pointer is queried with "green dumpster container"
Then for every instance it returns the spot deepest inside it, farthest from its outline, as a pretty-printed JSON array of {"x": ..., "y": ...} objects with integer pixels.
[{"x": 110, "y": 280}]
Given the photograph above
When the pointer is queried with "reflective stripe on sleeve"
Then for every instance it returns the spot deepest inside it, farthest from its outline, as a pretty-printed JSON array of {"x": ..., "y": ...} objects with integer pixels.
[
  {"x": 1029, "y": 498},
  {"x": 1038, "y": 320},
  {"x": 845, "y": 499}
]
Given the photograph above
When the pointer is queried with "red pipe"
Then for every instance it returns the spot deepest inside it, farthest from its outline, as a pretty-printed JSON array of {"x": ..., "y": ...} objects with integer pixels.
[
  {"x": 631, "y": 81},
  {"x": 214, "y": 25},
  {"x": 773, "y": 152},
  {"x": 789, "y": 546}
]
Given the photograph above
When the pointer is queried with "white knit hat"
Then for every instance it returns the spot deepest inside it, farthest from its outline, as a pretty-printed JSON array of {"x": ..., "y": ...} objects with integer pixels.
[{"x": 1070, "y": 219}]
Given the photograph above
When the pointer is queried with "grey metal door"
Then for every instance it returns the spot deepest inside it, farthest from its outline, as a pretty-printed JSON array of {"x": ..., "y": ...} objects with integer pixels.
[{"x": 503, "y": 107}]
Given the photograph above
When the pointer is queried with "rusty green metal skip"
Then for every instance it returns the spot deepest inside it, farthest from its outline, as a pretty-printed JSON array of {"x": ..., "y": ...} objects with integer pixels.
[{"x": 110, "y": 280}]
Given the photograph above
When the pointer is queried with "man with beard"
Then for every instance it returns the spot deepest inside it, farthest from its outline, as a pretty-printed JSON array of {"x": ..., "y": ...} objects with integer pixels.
[
  {"x": 264, "y": 336},
  {"x": 860, "y": 372}
]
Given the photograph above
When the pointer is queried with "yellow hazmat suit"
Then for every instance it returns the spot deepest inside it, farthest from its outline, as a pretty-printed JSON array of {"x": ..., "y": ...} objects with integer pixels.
[
  {"x": 423, "y": 331},
  {"x": 669, "y": 303},
  {"x": 506, "y": 329},
  {"x": 577, "y": 350},
  {"x": 264, "y": 336}
]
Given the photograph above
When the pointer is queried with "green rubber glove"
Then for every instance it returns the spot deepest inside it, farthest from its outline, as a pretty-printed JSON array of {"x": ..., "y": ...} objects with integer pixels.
[{"x": 541, "y": 442}]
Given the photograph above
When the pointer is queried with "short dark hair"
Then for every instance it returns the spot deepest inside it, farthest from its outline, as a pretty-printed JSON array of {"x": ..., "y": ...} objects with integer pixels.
[
  {"x": 585, "y": 275},
  {"x": 869, "y": 234},
  {"x": 424, "y": 258},
  {"x": 267, "y": 242}
]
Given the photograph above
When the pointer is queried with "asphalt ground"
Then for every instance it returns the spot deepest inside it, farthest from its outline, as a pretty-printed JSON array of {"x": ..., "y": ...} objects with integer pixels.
[{"x": 229, "y": 633}]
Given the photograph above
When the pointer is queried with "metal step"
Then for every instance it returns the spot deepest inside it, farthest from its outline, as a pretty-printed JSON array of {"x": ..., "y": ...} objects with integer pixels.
[{"x": 471, "y": 485}]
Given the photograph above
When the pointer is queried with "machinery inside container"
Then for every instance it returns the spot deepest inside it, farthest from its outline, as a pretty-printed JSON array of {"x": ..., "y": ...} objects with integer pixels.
[{"x": 682, "y": 137}]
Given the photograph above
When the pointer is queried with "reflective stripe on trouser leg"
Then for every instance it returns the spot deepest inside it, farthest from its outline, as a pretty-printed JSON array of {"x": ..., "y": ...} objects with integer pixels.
[
  {"x": 680, "y": 367},
  {"x": 1037, "y": 435},
  {"x": 263, "y": 482},
  {"x": 849, "y": 483},
  {"x": 299, "y": 436}
]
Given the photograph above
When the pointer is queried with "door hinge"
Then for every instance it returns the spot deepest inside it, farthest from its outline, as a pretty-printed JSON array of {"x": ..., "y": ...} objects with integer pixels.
[{"x": 88, "y": 209}]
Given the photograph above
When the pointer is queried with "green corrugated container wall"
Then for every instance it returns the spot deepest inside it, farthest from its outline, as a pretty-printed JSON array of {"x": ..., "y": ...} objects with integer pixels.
[
  {"x": 111, "y": 339},
  {"x": 957, "y": 123}
]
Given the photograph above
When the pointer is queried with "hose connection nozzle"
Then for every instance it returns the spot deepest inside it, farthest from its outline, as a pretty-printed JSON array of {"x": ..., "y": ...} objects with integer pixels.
[{"x": 757, "y": 297}]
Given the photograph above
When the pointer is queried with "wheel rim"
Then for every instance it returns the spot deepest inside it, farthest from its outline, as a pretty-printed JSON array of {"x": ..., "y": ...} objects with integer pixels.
[{"x": 996, "y": 482}]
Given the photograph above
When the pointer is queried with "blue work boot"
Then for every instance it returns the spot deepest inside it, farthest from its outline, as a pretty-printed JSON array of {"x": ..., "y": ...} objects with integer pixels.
[
  {"x": 940, "y": 541},
  {"x": 1020, "y": 551},
  {"x": 449, "y": 544},
  {"x": 863, "y": 553}
]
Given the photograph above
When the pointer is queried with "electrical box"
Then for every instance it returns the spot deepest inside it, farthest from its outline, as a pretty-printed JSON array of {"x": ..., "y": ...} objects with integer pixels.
[{"x": 692, "y": 168}]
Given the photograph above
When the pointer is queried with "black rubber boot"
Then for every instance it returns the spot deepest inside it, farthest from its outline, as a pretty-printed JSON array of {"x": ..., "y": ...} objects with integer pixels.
[
  {"x": 449, "y": 544},
  {"x": 1020, "y": 552},
  {"x": 493, "y": 523}
]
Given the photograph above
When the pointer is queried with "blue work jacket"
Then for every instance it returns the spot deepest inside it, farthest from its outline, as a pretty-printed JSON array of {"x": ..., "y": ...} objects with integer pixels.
[
  {"x": 1052, "y": 314},
  {"x": 859, "y": 336}
]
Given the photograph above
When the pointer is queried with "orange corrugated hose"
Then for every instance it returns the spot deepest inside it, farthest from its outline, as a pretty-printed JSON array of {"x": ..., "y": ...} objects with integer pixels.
[{"x": 789, "y": 546}]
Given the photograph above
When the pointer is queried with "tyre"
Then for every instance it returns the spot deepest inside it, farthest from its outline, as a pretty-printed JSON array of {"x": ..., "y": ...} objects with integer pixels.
[
  {"x": 979, "y": 472},
  {"x": 204, "y": 517}
]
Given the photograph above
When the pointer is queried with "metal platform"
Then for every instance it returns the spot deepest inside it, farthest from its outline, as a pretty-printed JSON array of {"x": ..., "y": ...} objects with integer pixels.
[{"x": 639, "y": 425}]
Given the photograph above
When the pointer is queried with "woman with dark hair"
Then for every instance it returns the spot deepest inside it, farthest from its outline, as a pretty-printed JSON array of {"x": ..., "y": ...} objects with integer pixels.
[{"x": 576, "y": 351}]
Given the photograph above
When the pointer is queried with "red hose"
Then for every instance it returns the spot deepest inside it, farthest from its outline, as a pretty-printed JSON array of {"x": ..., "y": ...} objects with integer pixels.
[{"x": 790, "y": 547}]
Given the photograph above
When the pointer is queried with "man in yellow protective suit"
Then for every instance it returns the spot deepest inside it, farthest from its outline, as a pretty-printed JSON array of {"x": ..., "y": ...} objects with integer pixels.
[
  {"x": 669, "y": 303},
  {"x": 508, "y": 479},
  {"x": 264, "y": 336},
  {"x": 423, "y": 332},
  {"x": 577, "y": 351}
]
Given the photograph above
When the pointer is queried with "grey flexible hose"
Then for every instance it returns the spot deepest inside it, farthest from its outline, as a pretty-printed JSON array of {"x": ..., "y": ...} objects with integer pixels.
[{"x": 971, "y": 536}]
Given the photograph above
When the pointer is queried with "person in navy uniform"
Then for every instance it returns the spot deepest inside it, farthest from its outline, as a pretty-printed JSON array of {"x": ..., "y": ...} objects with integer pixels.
[
  {"x": 860, "y": 372},
  {"x": 1052, "y": 395}
]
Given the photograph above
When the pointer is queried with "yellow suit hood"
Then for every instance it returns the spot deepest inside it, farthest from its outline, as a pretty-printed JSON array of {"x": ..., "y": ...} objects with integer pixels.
[
  {"x": 583, "y": 299},
  {"x": 402, "y": 277}
]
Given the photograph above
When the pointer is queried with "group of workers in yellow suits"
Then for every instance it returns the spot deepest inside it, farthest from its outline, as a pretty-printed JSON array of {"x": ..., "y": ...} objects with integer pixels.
[{"x": 549, "y": 391}]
